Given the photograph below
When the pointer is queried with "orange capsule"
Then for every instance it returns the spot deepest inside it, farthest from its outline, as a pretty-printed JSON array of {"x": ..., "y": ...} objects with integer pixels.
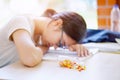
[{"x": 71, "y": 65}]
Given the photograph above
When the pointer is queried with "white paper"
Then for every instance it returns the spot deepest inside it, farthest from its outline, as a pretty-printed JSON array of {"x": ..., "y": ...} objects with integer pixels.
[
  {"x": 60, "y": 54},
  {"x": 104, "y": 47}
]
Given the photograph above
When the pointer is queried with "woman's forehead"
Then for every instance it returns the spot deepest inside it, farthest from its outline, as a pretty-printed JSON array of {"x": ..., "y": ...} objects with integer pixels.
[{"x": 68, "y": 40}]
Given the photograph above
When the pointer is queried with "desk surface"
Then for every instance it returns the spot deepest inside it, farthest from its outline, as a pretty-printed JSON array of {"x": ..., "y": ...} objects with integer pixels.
[{"x": 101, "y": 66}]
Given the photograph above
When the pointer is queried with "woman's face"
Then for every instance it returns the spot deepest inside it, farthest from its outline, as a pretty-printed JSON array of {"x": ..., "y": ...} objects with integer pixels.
[{"x": 53, "y": 35}]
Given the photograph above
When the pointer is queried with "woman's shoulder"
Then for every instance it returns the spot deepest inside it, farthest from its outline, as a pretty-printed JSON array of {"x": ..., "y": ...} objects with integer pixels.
[
  {"x": 20, "y": 21},
  {"x": 25, "y": 15},
  {"x": 21, "y": 18}
]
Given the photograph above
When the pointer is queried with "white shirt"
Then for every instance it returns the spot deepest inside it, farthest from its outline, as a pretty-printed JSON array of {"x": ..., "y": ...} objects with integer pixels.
[{"x": 8, "y": 50}]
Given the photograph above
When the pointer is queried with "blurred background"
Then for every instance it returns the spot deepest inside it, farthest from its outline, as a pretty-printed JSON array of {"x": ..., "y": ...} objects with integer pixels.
[
  {"x": 87, "y": 8},
  {"x": 95, "y": 12}
]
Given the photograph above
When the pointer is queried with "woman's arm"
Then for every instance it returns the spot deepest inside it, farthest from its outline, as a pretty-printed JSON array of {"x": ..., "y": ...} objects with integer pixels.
[
  {"x": 44, "y": 48},
  {"x": 30, "y": 55}
]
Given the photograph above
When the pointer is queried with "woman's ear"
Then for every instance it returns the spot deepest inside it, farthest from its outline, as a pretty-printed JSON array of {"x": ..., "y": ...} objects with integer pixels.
[{"x": 57, "y": 24}]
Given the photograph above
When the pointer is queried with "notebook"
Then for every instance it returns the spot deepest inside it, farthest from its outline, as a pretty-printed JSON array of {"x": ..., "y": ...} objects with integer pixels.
[{"x": 60, "y": 54}]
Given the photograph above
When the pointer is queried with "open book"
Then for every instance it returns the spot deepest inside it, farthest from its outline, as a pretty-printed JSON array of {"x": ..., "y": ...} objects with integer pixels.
[{"x": 60, "y": 54}]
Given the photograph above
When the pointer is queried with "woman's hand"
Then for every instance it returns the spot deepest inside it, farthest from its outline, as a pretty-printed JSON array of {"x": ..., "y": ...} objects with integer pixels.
[
  {"x": 80, "y": 49},
  {"x": 43, "y": 48}
]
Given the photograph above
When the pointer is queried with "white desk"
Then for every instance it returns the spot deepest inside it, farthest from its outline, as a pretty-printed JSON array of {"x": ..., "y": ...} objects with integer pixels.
[{"x": 102, "y": 66}]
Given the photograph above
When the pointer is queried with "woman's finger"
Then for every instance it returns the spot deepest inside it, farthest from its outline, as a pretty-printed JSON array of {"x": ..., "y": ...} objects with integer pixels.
[
  {"x": 82, "y": 51},
  {"x": 86, "y": 52}
]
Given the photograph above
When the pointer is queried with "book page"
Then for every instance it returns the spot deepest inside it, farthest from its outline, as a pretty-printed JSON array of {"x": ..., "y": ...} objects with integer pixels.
[{"x": 66, "y": 54}]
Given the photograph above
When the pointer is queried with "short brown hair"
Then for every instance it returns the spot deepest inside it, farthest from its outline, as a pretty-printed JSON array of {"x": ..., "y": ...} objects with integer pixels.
[{"x": 73, "y": 24}]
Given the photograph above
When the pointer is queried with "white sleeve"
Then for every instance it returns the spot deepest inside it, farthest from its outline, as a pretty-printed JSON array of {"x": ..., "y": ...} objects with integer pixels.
[{"x": 19, "y": 22}]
